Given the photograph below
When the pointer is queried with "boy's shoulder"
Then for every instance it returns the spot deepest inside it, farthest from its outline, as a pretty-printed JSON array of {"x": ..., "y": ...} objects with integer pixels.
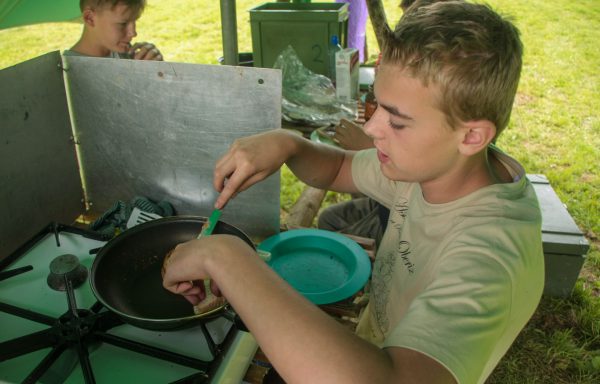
[
  {"x": 113, "y": 55},
  {"x": 68, "y": 52}
]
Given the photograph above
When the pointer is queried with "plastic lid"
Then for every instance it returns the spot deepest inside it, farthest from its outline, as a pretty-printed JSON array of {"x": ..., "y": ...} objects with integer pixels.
[{"x": 334, "y": 40}]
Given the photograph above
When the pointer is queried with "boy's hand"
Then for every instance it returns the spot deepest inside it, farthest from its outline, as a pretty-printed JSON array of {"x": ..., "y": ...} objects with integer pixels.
[
  {"x": 351, "y": 136},
  {"x": 248, "y": 161},
  {"x": 145, "y": 51},
  {"x": 186, "y": 269}
]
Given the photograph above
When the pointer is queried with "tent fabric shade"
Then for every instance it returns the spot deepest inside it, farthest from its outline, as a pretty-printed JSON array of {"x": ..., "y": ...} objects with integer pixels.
[{"x": 14, "y": 13}]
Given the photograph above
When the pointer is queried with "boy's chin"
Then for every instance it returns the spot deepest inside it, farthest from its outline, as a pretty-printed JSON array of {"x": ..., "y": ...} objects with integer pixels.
[
  {"x": 122, "y": 48},
  {"x": 391, "y": 173}
]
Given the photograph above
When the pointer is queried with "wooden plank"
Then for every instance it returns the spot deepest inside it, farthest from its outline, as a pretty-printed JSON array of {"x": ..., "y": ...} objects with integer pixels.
[{"x": 306, "y": 208}]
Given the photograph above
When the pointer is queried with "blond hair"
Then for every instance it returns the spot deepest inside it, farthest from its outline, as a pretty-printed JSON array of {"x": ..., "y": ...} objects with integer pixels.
[{"x": 469, "y": 51}]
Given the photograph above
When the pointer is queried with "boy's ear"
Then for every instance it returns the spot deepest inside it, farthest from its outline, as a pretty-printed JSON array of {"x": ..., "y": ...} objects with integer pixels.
[
  {"x": 88, "y": 16},
  {"x": 476, "y": 135}
]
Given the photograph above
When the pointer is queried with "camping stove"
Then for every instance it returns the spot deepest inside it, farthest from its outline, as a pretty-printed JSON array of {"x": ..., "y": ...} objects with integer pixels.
[{"x": 53, "y": 330}]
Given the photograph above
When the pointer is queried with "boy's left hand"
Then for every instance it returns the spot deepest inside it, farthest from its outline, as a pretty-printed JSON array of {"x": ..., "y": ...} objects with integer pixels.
[{"x": 145, "y": 51}]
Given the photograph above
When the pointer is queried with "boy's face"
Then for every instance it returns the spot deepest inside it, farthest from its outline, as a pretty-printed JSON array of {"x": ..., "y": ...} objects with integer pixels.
[
  {"x": 413, "y": 139},
  {"x": 114, "y": 28}
]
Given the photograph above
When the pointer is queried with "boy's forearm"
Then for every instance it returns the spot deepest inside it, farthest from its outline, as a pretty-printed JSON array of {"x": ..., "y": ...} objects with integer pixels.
[
  {"x": 296, "y": 335},
  {"x": 251, "y": 159},
  {"x": 321, "y": 166}
]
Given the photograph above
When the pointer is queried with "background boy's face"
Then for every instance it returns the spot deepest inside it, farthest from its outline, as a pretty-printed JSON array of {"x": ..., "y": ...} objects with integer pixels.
[
  {"x": 114, "y": 27},
  {"x": 413, "y": 139}
]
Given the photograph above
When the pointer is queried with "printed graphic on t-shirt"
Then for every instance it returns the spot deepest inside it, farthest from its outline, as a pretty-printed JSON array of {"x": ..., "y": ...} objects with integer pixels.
[{"x": 385, "y": 263}]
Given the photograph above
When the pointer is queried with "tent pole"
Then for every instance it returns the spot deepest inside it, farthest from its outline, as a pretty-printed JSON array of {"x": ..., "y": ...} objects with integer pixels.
[{"x": 229, "y": 32}]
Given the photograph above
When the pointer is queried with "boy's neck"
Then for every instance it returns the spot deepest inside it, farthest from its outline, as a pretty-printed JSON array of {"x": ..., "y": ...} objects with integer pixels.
[{"x": 475, "y": 173}]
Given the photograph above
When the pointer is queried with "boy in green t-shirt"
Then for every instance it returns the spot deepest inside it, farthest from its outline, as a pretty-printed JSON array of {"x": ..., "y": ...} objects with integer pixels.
[
  {"x": 459, "y": 271},
  {"x": 108, "y": 28}
]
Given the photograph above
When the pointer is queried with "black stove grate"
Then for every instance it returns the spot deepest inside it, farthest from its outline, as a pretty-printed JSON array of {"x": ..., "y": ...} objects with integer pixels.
[{"x": 78, "y": 329}]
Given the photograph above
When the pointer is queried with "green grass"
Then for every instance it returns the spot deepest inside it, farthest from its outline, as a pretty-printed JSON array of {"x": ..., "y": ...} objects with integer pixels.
[{"x": 554, "y": 130}]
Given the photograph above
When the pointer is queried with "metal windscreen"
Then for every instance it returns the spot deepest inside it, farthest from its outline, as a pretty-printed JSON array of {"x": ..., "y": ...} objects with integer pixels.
[
  {"x": 38, "y": 167},
  {"x": 156, "y": 129}
]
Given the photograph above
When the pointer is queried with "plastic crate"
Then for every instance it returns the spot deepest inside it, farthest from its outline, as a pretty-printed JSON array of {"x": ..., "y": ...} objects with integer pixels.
[{"x": 307, "y": 27}]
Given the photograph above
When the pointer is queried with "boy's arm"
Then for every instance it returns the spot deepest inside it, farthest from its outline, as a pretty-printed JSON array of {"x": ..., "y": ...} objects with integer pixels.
[
  {"x": 252, "y": 159},
  {"x": 303, "y": 343}
]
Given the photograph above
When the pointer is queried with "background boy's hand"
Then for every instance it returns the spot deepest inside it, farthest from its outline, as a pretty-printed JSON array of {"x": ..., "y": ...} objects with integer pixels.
[
  {"x": 145, "y": 51},
  {"x": 351, "y": 136}
]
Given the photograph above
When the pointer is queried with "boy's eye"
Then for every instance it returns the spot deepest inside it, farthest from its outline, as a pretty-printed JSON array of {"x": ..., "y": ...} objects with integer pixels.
[{"x": 396, "y": 125}]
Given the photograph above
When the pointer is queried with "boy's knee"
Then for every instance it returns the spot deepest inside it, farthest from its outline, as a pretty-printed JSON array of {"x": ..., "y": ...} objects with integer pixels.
[{"x": 327, "y": 219}]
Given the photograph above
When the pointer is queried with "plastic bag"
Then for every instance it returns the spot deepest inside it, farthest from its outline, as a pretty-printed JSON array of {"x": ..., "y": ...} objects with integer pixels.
[{"x": 309, "y": 98}]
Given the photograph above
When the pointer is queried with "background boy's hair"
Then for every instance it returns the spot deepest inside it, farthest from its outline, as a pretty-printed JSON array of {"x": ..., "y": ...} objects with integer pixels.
[
  {"x": 135, "y": 4},
  {"x": 469, "y": 51}
]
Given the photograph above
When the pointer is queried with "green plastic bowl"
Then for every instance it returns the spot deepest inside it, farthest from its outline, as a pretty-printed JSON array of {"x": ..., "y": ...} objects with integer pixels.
[{"x": 324, "y": 266}]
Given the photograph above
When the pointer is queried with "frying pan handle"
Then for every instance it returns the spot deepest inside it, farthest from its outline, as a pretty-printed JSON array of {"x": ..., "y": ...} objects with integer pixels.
[{"x": 232, "y": 316}]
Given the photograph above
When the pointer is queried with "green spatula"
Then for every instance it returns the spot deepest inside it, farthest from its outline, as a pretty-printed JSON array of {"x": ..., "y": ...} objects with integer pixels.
[{"x": 209, "y": 226}]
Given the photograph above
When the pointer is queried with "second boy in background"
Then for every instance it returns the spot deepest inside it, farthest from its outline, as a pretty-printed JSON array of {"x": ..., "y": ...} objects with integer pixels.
[{"x": 108, "y": 29}]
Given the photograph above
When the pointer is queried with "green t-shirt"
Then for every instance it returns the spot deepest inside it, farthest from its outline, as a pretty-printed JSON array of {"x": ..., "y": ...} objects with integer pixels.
[{"x": 455, "y": 281}]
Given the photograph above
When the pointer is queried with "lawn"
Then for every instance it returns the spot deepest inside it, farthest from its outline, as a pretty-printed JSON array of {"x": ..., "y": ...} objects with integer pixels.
[{"x": 554, "y": 130}]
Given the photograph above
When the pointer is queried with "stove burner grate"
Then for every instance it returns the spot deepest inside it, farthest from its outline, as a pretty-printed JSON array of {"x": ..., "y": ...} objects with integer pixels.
[{"x": 79, "y": 329}]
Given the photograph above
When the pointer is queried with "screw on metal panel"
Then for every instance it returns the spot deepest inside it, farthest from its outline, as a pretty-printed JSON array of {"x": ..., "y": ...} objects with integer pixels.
[
  {"x": 62, "y": 67},
  {"x": 73, "y": 140}
]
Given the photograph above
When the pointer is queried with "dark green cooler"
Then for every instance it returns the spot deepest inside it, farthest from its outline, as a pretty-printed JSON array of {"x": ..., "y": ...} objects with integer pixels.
[
  {"x": 565, "y": 247},
  {"x": 308, "y": 28}
]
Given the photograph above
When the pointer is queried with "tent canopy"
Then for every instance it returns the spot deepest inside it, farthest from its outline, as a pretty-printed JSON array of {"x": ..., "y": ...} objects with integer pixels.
[{"x": 14, "y": 13}]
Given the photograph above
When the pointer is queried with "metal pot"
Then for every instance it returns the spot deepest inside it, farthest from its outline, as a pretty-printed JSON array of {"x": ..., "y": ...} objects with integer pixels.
[{"x": 126, "y": 274}]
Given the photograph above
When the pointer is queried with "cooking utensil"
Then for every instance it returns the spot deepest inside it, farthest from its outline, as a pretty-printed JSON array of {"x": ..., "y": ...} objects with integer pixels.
[
  {"x": 126, "y": 278},
  {"x": 209, "y": 226},
  {"x": 210, "y": 301},
  {"x": 324, "y": 266},
  {"x": 138, "y": 217},
  {"x": 206, "y": 230}
]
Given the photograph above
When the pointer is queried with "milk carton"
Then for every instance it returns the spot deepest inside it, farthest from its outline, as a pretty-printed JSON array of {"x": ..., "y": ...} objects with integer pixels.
[{"x": 346, "y": 74}]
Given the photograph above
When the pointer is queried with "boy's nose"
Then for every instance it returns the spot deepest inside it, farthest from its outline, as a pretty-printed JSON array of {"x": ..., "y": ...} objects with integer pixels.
[
  {"x": 371, "y": 127},
  {"x": 131, "y": 31}
]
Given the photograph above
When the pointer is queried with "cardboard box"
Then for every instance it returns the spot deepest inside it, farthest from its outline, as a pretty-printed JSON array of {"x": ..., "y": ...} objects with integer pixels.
[
  {"x": 565, "y": 247},
  {"x": 346, "y": 74}
]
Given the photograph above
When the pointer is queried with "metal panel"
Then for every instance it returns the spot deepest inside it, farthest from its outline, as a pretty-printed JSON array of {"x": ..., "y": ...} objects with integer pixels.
[
  {"x": 157, "y": 128},
  {"x": 38, "y": 165}
]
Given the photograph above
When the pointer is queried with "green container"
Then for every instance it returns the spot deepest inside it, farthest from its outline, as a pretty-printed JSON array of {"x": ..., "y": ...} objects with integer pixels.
[{"x": 308, "y": 28}]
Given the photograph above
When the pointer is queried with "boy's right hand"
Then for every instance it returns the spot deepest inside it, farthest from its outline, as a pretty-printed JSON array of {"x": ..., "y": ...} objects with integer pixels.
[{"x": 145, "y": 51}]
